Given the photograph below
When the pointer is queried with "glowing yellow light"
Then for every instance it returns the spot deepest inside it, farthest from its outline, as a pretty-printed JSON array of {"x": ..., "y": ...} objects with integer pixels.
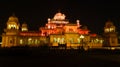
[
  {"x": 30, "y": 39},
  {"x": 24, "y": 29},
  {"x": 112, "y": 48},
  {"x": 21, "y": 41},
  {"x": 85, "y": 48},
  {"x": 81, "y": 36},
  {"x": 48, "y": 26}
]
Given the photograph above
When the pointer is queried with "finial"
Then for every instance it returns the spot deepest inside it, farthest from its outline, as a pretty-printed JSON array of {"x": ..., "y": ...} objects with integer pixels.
[
  {"x": 13, "y": 14},
  {"x": 78, "y": 21},
  {"x": 59, "y": 11},
  {"x": 24, "y": 22},
  {"x": 48, "y": 19},
  {"x": 109, "y": 20}
]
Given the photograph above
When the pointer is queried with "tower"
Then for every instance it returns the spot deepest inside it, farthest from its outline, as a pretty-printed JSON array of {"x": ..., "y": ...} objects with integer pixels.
[
  {"x": 9, "y": 38},
  {"x": 24, "y": 27},
  {"x": 110, "y": 34}
]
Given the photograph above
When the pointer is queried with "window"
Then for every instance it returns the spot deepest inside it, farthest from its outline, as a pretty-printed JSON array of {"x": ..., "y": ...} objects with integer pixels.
[
  {"x": 112, "y": 40},
  {"x": 62, "y": 40},
  {"x": 30, "y": 41},
  {"x": 70, "y": 30},
  {"x": 71, "y": 40},
  {"x": 55, "y": 40},
  {"x": 78, "y": 40},
  {"x": 36, "y": 41},
  {"x": 107, "y": 30},
  {"x": 11, "y": 41},
  {"x": 21, "y": 41},
  {"x": 58, "y": 40}
]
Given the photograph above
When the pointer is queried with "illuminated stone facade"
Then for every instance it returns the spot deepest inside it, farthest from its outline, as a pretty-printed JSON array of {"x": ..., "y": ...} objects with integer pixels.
[
  {"x": 110, "y": 34},
  {"x": 57, "y": 32}
]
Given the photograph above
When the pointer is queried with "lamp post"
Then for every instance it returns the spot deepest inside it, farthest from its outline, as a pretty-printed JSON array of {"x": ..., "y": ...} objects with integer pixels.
[{"x": 82, "y": 37}]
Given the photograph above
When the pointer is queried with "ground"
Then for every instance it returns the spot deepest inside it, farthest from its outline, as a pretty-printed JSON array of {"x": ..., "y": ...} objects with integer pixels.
[{"x": 58, "y": 58}]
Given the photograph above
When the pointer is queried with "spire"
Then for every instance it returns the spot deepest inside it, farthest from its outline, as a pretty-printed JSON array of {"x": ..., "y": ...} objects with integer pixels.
[
  {"x": 13, "y": 14},
  {"x": 59, "y": 11},
  {"x": 108, "y": 20}
]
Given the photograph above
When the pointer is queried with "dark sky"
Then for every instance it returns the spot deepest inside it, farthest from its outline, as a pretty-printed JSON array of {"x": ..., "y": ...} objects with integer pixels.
[{"x": 91, "y": 13}]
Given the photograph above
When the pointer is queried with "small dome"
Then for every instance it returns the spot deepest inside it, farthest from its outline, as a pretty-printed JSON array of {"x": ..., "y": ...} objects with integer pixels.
[
  {"x": 24, "y": 25},
  {"x": 13, "y": 18},
  {"x": 109, "y": 23},
  {"x": 59, "y": 16}
]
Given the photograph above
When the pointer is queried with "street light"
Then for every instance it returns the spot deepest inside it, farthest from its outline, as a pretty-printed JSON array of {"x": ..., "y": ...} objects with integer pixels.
[{"x": 82, "y": 37}]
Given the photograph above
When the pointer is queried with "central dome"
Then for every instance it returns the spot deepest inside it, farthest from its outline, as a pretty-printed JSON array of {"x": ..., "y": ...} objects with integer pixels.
[{"x": 59, "y": 16}]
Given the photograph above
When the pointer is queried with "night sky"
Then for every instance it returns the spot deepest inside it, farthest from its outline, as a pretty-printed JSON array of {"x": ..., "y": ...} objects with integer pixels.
[{"x": 91, "y": 13}]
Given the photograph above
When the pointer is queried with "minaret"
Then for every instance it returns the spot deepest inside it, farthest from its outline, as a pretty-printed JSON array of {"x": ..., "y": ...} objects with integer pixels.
[
  {"x": 110, "y": 34},
  {"x": 78, "y": 23},
  {"x": 13, "y": 22},
  {"x": 9, "y": 38},
  {"x": 24, "y": 27}
]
